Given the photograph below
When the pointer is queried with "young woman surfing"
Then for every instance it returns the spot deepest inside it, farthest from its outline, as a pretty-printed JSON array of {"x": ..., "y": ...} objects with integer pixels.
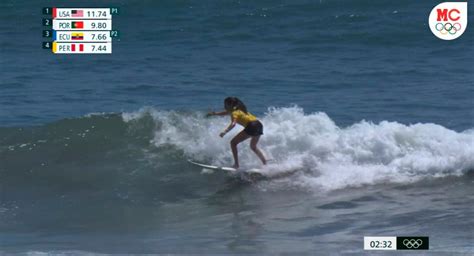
[{"x": 238, "y": 113}]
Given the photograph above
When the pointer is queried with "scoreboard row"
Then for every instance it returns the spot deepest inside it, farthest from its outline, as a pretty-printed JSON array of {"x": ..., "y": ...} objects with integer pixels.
[
  {"x": 79, "y": 30},
  {"x": 78, "y": 24},
  {"x": 73, "y": 48},
  {"x": 83, "y": 13}
]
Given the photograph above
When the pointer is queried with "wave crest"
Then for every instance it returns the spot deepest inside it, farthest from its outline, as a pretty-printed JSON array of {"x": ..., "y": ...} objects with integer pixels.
[{"x": 329, "y": 156}]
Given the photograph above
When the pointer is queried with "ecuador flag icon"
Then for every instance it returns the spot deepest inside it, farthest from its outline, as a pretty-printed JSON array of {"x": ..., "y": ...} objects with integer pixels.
[
  {"x": 77, "y": 24},
  {"x": 77, "y": 36}
]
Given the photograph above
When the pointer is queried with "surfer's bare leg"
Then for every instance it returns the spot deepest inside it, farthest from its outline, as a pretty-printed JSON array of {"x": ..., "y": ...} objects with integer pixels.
[
  {"x": 253, "y": 146},
  {"x": 241, "y": 136}
]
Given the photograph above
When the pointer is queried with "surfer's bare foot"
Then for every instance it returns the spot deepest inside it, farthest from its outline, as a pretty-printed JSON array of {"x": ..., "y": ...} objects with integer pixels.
[{"x": 236, "y": 166}]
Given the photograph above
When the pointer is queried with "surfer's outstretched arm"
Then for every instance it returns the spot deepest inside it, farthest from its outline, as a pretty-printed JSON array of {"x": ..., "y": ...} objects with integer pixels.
[
  {"x": 222, "y": 113},
  {"x": 230, "y": 127}
]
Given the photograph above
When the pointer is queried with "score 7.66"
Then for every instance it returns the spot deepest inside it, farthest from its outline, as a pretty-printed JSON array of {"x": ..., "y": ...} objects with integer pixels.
[{"x": 99, "y": 37}]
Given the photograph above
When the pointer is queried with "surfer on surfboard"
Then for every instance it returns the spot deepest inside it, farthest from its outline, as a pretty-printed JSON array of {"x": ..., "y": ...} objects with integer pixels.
[{"x": 238, "y": 113}]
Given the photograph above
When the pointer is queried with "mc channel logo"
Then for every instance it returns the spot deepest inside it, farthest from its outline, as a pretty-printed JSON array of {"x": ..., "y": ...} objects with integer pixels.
[{"x": 448, "y": 20}]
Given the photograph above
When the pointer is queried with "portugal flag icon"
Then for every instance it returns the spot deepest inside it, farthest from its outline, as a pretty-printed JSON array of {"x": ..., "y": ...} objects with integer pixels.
[{"x": 77, "y": 24}]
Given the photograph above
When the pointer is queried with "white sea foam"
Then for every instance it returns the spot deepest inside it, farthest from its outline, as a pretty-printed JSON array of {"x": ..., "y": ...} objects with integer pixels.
[{"x": 327, "y": 156}]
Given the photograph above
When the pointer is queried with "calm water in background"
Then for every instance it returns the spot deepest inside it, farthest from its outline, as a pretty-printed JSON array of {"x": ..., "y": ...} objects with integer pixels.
[
  {"x": 118, "y": 180},
  {"x": 351, "y": 59}
]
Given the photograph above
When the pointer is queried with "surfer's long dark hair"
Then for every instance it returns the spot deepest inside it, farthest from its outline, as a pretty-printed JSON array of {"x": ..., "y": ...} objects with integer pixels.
[{"x": 231, "y": 103}]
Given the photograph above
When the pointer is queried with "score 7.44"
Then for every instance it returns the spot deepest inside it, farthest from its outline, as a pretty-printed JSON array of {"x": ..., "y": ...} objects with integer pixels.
[{"x": 99, "y": 48}]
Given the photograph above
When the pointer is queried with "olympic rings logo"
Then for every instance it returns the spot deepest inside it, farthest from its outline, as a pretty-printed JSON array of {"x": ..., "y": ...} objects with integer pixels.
[
  {"x": 412, "y": 243},
  {"x": 448, "y": 28}
]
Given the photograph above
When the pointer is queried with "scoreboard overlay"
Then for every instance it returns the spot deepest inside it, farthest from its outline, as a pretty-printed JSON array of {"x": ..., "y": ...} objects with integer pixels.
[{"x": 79, "y": 30}]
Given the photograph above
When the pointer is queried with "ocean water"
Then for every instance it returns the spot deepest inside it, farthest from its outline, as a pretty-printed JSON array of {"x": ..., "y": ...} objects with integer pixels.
[{"x": 368, "y": 117}]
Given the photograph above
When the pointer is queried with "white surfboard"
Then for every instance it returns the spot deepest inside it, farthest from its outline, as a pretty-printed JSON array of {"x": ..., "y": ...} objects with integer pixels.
[{"x": 223, "y": 168}]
